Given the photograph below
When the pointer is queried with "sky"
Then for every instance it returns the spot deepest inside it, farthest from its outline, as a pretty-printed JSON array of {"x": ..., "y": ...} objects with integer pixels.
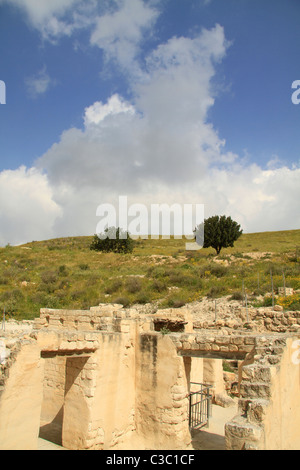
[{"x": 164, "y": 102}]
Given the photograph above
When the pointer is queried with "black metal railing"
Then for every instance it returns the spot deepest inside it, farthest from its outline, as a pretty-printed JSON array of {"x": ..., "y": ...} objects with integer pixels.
[{"x": 199, "y": 406}]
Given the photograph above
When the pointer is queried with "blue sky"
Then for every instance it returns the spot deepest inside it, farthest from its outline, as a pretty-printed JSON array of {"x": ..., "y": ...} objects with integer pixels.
[{"x": 164, "y": 101}]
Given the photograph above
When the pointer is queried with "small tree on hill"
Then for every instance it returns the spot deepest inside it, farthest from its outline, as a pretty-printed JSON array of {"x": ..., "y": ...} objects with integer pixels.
[
  {"x": 113, "y": 240},
  {"x": 220, "y": 232}
]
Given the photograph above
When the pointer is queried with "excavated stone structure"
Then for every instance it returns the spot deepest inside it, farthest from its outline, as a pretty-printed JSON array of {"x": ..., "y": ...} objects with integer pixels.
[{"x": 112, "y": 378}]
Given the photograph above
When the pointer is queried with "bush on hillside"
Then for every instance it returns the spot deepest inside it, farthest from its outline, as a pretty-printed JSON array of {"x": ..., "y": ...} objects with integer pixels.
[{"x": 113, "y": 240}]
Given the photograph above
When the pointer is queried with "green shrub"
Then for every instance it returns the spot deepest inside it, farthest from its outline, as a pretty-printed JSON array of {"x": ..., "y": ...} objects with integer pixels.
[
  {"x": 143, "y": 298},
  {"x": 62, "y": 270},
  {"x": 10, "y": 300},
  {"x": 158, "y": 286},
  {"x": 15, "y": 294},
  {"x": 49, "y": 277},
  {"x": 165, "y": 331},
  {"x": 122, "y": 300},
  {"x": 133, "y": 285},
  {"x": 3, "y": 281},
  {"x": 291, "y": 302},
  {"x": 237, "y": 295},
  {"x": 178, "y": 279},
  {"x": 227, "y": 367},
  {"x": 83, "y": 266},
  {"x": 175, "y": 303},
  {"x": 156, "y": 272},
  {"x": 267, "y": 302},
  {"x": 115, "y": 285},
  {"x": 216, "y": 291},
  {"x": 113, "y": 240},
  {"x": 77, "y": 294},
  {"x": 218, "y": 270},
  {"x": 262, "y": 290}
]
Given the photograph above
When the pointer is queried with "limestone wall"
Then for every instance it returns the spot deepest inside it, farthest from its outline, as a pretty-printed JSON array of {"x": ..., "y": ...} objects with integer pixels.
[
  {"x": 162, "y": 394},
  {"x": 90, "y": 378},
  {"x": 276, "y": 320},
  {"x": 214, "y": 345},
  {"x": 113, "y": 400},
  {"x": 21, "y": 398},
  {"x": 53, "y": 390},
  {"x": 269, "y": 399},
  {"x": 255, "y": 319},
  {"x": 107, "y": 380},
  {"x": 282, "y": 430}
]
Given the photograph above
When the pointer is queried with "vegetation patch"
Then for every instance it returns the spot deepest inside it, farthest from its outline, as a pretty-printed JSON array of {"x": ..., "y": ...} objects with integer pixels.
[{"x": 65, "y": 273}]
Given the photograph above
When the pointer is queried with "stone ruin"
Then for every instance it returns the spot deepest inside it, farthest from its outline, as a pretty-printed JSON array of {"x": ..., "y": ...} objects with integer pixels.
[{"x": 115, "y": 378}]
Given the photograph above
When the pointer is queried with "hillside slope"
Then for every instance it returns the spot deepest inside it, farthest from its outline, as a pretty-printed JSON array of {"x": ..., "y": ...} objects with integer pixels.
[{"x": 65, "y": 273}]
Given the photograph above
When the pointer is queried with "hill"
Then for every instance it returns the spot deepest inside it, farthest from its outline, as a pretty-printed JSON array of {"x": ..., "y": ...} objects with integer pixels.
[{"x": 65, "y": 273}]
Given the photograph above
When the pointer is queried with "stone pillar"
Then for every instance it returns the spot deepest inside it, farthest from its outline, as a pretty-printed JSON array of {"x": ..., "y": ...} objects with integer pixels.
[
  {"x": 197, "y": 371},
  {"x": 213, "y": 375},
  {"x": 162, "y": 394}
]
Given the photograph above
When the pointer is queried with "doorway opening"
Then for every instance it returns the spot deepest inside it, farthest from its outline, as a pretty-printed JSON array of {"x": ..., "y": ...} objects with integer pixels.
[
  {"x": 62, "y": 375},
  {"x": 213, "y": 385}
]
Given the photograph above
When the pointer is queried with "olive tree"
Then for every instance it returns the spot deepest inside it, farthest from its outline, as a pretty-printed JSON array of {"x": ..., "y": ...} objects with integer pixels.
[{"x": 219, "y": 232}]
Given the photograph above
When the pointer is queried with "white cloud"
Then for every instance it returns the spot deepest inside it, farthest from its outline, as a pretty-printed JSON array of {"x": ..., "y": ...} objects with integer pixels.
[
  {"x": 261, "y": 200},
  {"x": 162, "y": 136},
  {"x": 33, "y": 209},
  {"x": 38, "y": 84},
  {"x": 42, "y": 14},
  {"x": 97, "y": 112},
  {"x": 160, "y": 147},
  {"x": 27, "y": 208},
  {"x": 119, "y": 33},
  {"x": 56, "y": 18},
  {"x": 40, "y": 10},
  {"x": 117, "y": 26}
]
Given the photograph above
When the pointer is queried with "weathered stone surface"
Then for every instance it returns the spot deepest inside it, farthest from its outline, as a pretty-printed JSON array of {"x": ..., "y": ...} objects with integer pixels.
[{"x": 104, "y": 375}]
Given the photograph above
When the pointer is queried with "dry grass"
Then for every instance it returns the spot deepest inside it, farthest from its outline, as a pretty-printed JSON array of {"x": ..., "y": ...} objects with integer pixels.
[{"x": 65, "y": 273}]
